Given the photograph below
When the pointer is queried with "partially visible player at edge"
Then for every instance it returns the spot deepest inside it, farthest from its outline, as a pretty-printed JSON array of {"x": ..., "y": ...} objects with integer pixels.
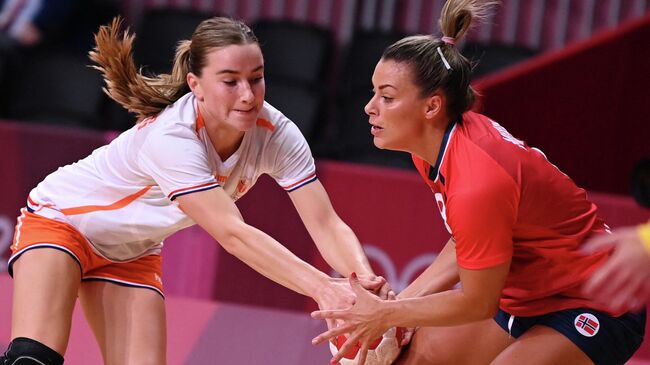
[
  {"x": 205, "y": 136},
  {"x": 625, "y": 279},
  {"x": 517, "y": 225}
]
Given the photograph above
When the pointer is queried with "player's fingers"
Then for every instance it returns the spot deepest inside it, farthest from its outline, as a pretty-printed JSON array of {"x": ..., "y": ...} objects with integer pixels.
[
  {"x": 625, "y": 297},
  {"x": 621, "y": 302},
  {"x": 331, "y": 323},
  {"x": 331, "y": 333},
  {"x": 599, "y": 242},
  {"x": 637, "y": 305},
  {"x": 363, "y": 353},
  {"x": 614, "y": 283},
  {"x": 597, "y": 281},
  {"x": 371, "y": 282},
  {"x": 644, "y": 295},
  {"x": 329, "y": 314},
  {"x": 335, "y": 323},
  {"x": 355, "y": 284},
  {"x": 347, "y": 345},
  {"x": 638, "y": 302},
  {"x": 382, "y": 280},
  {"x": 392, "y": 295},
  {"x": 605, "y": 281},
  {"x": 385, "y": 291},
  {"x": 374, "y": 279}
]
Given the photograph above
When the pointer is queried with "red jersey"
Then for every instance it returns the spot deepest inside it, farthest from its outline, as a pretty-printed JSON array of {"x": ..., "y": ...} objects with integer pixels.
[{"x": 503, "y": 200}]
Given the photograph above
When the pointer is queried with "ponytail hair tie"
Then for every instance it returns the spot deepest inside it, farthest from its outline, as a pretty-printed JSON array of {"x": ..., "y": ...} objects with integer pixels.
[{"x": 449, "y": 40}]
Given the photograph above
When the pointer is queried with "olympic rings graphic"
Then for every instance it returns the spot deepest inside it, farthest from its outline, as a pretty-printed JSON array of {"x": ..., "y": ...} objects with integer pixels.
[{"x": 397, "y": 280}]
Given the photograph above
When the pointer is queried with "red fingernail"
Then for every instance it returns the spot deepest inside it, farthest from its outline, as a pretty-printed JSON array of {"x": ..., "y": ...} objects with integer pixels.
[{"x": 353, "y": 275}]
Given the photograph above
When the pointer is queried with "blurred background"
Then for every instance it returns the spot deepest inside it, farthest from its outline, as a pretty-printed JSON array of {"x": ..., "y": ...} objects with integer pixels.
[
  {"x": 320, "y": 55},
  {"x": 567, "y": 76}
]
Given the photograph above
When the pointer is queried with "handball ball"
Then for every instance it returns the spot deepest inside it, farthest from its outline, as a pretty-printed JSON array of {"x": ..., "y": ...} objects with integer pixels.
[{"x": 382, "y": 352}]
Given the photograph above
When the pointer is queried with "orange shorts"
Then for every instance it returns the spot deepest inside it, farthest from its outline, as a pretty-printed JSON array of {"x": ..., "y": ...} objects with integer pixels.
[{"x": 33, "y": 231}]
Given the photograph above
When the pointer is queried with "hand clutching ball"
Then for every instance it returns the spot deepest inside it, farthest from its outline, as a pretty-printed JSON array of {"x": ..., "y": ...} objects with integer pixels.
[{"x": 382, "y": 352}]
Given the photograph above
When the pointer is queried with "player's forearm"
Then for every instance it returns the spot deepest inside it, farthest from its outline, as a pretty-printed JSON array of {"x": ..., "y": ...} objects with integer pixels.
[
  {"x": 341, "y": 249},
  {"x": 218, "y": 215},
  {"x": 448, "y": 308},
  {"x": 268, "y": 257},
  {"x": 441, "y": 275},
  {"x": 336, "y": 242}
]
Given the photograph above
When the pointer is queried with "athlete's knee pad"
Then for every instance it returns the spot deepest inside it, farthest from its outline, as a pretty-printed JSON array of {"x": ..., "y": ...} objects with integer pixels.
[{"x": 25, "y": 351}]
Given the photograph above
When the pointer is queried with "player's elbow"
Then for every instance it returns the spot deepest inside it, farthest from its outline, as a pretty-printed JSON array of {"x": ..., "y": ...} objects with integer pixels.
[
  {"x": 230, "y": 243},
  {"x": 490, "y": 310},
  {"x": 483, "y": 309},
  {"x": 232, "y": 237}
]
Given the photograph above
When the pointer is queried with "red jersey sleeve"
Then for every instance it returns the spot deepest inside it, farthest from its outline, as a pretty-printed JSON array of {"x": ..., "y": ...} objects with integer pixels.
[{"x": 482, "y": 213}]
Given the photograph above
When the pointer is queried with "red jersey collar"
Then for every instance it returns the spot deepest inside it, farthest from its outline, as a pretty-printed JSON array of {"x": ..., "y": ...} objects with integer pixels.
[{"x": 434, "y": 170}]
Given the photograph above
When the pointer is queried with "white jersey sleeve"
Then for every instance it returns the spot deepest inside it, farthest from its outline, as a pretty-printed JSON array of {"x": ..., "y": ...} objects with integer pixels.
[
  {"x": 177, "y": 161},
  {"x": 294, "y": 164}
]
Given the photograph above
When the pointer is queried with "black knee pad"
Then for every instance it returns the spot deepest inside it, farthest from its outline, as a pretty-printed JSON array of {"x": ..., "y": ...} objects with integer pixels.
[{"x": 25, "y": 351}]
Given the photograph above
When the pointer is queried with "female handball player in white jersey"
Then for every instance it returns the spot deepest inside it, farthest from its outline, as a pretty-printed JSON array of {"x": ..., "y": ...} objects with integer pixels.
[
  {"x": 517, "y": 226},
  {"x": 94, "y": 229}
]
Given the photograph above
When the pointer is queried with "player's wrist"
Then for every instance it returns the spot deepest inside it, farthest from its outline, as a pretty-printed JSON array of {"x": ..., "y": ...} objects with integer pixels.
[
  {"x": 321, "y": 287},
  {"x": 390, "y": 312},
  {"x": 644, "y": 234}
]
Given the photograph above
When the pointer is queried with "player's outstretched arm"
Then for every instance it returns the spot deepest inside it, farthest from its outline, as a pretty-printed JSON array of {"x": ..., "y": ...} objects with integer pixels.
[
  {"x": 215, "y": 212},
  {"x": 336, "y": 242}
]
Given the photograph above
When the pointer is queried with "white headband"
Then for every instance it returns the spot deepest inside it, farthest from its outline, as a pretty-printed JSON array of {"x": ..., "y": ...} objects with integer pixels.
[{"x": 444, "y": 60}]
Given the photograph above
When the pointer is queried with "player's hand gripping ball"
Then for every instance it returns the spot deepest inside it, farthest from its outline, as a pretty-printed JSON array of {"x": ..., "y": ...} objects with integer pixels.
[{"x": 382, "y": 352}]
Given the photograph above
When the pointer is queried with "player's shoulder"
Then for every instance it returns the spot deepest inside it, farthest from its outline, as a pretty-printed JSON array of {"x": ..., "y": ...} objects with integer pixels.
[
  {"x": 484, "y": 136},
  {"x": 484, "y": 131},
  {"x": 273, "y": 121},
  {"x": 177, "y": 120},
  {"x": 270, "y": 118},
  {"x": 481, "y": 147}
]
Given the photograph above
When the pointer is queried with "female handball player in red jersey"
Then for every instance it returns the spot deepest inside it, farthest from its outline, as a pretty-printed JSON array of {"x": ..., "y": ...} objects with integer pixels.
[
  {"x": 517, "y": 226},
  {"x": 94, "y": 229}
]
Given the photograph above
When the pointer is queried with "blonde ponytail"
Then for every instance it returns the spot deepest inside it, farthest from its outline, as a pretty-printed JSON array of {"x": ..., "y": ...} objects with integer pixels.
[
  {"x": 139, "y": 94},
  {"x": 437, "y": 64},
  {"x": 457, "y": 16}
]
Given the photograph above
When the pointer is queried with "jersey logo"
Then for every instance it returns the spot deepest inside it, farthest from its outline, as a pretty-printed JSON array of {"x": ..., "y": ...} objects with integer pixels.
[
  {"x": 221, "y": 179},
  {"x": 440, "y": 200},
  {"x": 587, "y": 324},
  {"x": 242, "y": 187}
]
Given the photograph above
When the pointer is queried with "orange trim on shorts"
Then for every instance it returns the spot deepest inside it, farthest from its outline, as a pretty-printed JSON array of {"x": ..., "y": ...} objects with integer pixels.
[
  {"x": 117, "y": 205},
  {"x": 34, "y": 232}
]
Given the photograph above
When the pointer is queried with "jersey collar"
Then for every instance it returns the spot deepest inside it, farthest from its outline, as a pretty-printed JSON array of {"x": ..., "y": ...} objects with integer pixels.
[{"x": 434, "y": 170}]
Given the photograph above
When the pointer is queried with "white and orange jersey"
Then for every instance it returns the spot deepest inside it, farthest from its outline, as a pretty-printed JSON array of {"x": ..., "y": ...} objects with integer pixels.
[{"x": 122, "y": 196}]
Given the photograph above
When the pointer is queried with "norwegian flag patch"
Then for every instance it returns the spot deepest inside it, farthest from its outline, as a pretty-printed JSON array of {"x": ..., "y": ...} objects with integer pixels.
[{"x": 587, "y": 324}]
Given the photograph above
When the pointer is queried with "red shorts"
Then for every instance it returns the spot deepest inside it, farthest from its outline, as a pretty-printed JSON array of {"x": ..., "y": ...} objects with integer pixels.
[{"x": 34, "y": 231}]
